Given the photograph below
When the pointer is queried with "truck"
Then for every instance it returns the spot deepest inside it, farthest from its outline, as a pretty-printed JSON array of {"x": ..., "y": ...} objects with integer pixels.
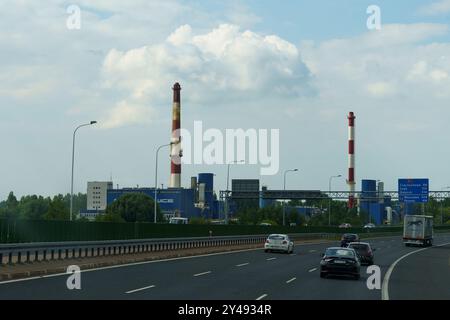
[{"x": 418, "y": 230}]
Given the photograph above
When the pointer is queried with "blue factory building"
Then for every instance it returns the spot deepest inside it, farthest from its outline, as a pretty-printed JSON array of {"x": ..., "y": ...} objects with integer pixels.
[
  {"x": 197, "y": 201},
  {"x": 373, "y": 202}
]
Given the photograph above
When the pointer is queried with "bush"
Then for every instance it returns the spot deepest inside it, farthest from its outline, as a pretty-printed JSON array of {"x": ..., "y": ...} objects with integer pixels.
[
  {"x": 198, "y": 220},
  {"x": 133, "y": 207}
]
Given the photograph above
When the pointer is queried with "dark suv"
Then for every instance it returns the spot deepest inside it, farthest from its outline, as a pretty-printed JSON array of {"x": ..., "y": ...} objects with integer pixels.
[{"x": 347, "y": 238}]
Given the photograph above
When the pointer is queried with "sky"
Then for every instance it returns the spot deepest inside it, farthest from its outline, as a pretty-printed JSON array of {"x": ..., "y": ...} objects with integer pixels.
[{"x": 297, "y": 66}]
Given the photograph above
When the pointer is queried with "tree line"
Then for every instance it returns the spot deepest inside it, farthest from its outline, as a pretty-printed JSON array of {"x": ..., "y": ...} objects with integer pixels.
[{"x": 41, "y": 208}]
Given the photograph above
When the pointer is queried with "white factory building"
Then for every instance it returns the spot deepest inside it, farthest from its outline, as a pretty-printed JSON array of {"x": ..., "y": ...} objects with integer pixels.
[{"x": 97, "y": 192}]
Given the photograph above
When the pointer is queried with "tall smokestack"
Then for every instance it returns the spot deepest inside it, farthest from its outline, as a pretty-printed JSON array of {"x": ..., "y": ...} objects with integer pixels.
[
  {"x": 351, "y": 159},
  {"x": 175, "y": 148}
]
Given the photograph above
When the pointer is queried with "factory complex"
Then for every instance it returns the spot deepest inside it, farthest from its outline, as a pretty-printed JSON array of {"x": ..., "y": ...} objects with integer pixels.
[{"x": 201, "y": 200}]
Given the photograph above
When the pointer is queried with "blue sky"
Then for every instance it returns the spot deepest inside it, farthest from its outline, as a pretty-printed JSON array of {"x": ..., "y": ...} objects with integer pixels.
[
  {"x": 297, "y": 20},
  {"x": 297, "y": 66}
]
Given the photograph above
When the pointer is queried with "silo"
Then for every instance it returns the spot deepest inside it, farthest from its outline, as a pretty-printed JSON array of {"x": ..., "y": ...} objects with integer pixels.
[
  {"x": 368, "y": 194},
  {"x": 208, "y": 180}
]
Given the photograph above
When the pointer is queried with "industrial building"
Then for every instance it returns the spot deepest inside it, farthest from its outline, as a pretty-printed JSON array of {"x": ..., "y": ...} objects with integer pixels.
[
  {"x": 247, "y": 188},
  {"x": 197, "y": 201},
  {"x": 96, "y": 195},
  {"x": 373, "y": 202},
  {"x": 96, "y": 198}
]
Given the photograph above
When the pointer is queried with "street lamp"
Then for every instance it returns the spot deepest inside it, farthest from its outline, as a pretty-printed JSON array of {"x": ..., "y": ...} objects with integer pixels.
[
  {"x": 284, "y": 188},
  {"x": 156, "y": 179},
  {"x": 73, "y": 160},
  {"x": 228, "y": 180},
  {"x": 442, "y": 205},
  {"x": 329, "y": 201}
]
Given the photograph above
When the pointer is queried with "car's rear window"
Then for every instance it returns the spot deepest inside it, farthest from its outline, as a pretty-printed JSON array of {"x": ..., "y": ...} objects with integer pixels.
[
  {"x": 339, "y": 253},
  {"x": 360, "y": 247},
  {"x": 276, "y": 237}
]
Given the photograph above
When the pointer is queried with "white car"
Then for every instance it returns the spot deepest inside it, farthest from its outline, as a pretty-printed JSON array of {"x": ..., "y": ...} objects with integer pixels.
[
  {"x": 370, "y": 226},
  {"x": 279, "y": 242}
]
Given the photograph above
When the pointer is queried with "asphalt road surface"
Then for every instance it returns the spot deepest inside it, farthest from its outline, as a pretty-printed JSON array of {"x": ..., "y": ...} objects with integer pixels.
[{"x": 254, "y": 274}]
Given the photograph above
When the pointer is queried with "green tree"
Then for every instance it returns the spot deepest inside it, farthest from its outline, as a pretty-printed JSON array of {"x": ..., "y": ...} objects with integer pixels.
[
  {"x": 10, "y": 207},
  {"x": 57, "y": 209},
  {"x": 109, "y": 217},
  {"x": 134, "y": 207},
  {"x": 198, "y": 220},
  {"x": 33, "y": 207},
  {"x": 79, "y": 202}
]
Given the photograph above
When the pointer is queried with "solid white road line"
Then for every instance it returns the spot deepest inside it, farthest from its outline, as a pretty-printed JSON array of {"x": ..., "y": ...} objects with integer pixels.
[
  {"x": 261, "y": 297},
  {"x": 243, "y": 264},
  {"x": 140, "y": 289},
  {"x": 293, "y": 279},
  {"x": 269, "y": 259},
  {"x": 202, "y": 274},
  {"x": 312, "y": 270},
  {"x": 385, "y": 286}
]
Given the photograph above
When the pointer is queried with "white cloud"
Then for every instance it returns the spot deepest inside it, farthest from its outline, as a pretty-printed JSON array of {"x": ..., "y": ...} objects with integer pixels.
[
  {"x": 223, "y": 61},
  {"x": 125, "y": 113},
  {"x": 398, "y": 61},
  {"x": 381, "y": 89},
  {"x": 436, "y": 8}
]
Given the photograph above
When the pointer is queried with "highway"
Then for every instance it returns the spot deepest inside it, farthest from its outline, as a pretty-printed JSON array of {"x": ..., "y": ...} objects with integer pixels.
[{"x": 254, "y": 274}]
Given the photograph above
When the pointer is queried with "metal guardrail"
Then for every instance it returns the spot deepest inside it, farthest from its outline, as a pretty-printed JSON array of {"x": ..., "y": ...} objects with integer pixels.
[{"x": 48, "y": 251}]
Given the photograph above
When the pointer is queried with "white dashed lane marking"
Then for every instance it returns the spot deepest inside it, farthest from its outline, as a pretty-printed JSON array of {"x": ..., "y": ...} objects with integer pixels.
[
  {"x": 242, "y": 264},
  {"x": 293, "y": 279},
  {"x": 140, "y": 289},
  {"x": 202, "y": 274}
]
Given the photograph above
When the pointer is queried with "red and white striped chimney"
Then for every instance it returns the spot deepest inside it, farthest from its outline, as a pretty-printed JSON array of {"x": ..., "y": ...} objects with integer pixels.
[
  {"x": 175, "y": 148},
  {"x": 351, "y": 159}
]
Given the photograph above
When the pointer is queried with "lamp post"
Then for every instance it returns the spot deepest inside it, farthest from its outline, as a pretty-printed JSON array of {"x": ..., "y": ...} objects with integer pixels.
[
  {"x": 329, "y": 201},
  {"x": 442, "y": 205},
  {"x": 228, "y": 180},
  {"x": 284, "y": 189},
  {"x": 156, "y": 180},
  {"x": 73, "y": 161}
]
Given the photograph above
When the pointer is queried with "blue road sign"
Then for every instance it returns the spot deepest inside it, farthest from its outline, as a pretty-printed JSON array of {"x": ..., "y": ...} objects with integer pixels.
[{"x": 413, "y": 190}]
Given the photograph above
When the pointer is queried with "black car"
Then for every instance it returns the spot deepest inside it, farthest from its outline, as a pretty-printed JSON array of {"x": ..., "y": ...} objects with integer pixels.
[
  {"x": 364, "y": 251},
  {"x": 347, "y": 238},
  {"x": 340, "y": 261}
]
